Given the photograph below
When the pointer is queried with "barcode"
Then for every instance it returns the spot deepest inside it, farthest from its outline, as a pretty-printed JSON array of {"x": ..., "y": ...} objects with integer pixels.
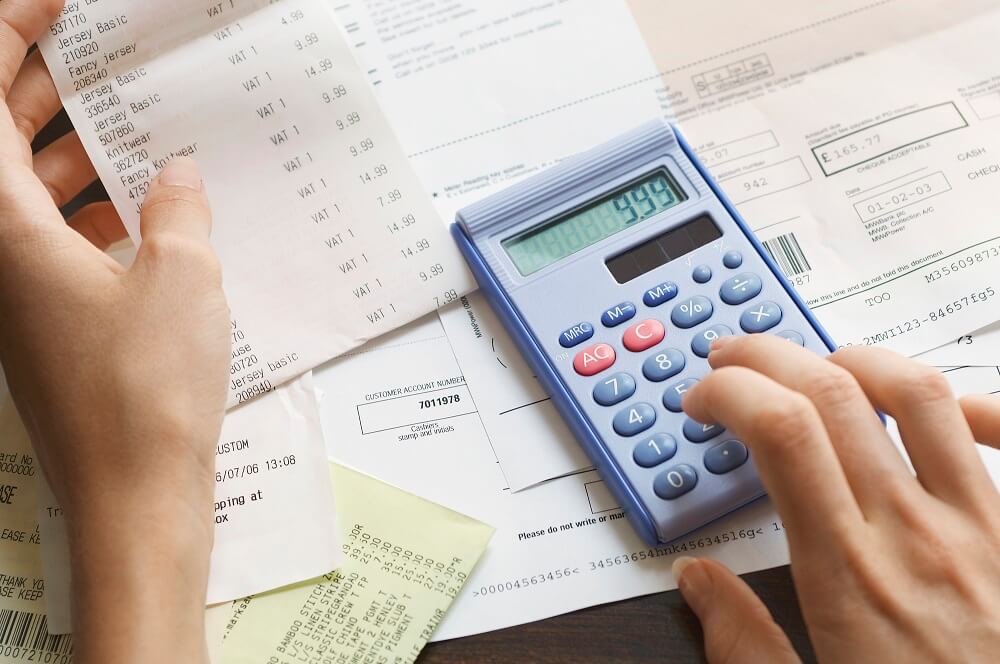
[
  {"x": 21, "y": 629},
  {"x": 787, "y": 253}
]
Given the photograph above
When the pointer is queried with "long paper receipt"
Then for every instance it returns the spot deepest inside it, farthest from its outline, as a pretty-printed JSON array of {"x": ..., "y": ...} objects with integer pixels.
[
  {"x": 406, "y": 559},
  {"x": 325, "y": 234}
]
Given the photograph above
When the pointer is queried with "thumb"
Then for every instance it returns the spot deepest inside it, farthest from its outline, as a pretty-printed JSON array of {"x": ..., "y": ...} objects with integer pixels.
[
  {"x": 737, "y": 625},
  {"x": 176, "y": 204}
]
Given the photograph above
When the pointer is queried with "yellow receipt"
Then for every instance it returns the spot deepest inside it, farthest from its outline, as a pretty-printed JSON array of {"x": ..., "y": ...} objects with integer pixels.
[{"x": 405, "y": 560}]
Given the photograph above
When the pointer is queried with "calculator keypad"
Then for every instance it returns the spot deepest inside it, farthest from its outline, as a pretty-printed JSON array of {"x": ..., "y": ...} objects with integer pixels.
[
  {"x": 618, "y": 314},
  {"x": 741, "y": 288},
  {"x": 697, "y": 432},
  {"x": 665, "y": 364},
  {"x": 643, "y": 336},
  {"x": 761, "y": 317},
  {"x": 726, "y": 456},
  {"x": 634, "y": 419},
  {"x": 692, "y": 311},
  {"x": 654, "y": 450},
  {"x": 674, "y": 394},
  {"x": 701, "y": 345},
  {"x": 576, "y": 335},
  {"x": 675, "y": 482},
  {"x": 660, "y": 348},
  {"x": 614, "y": 389},
  {"x": 594, "y": 359}
]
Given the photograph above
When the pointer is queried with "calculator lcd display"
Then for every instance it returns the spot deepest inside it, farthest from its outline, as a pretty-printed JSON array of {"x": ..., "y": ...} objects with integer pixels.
[
  {"x": 660, "y": 250},
  {"x": 640, "y": 200}
]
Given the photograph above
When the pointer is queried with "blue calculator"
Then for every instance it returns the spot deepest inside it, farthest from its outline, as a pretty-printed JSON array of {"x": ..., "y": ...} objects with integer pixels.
[{"x": 614, "y": 272}]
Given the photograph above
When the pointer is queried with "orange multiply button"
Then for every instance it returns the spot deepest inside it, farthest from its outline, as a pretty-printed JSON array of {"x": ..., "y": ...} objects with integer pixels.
[
  {"x": 643, "y": 335},
  {"x": 594, "y": 359}
]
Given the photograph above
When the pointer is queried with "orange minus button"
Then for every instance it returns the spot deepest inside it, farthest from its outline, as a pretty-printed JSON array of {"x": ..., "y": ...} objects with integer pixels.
[
  {"x": 594, "y": 359},
  {"x": 643, "y": 335}
]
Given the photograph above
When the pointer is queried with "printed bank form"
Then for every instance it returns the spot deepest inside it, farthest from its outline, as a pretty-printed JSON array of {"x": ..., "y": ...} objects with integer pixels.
[{"x": 325, "y": 235}]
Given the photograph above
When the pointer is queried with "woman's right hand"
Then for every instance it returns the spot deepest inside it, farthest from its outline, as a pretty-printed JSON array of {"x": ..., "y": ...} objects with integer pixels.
[{"x": 889, "y": 566}]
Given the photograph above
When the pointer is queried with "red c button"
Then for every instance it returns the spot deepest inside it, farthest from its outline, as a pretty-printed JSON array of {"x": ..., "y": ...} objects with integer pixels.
[
  {"x": 643, "y": 335},
  {"x": 594, "y": 359}
]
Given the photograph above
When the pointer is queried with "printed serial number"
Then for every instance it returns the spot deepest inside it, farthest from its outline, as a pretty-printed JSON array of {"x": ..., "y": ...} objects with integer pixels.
[
  {"x": 525, "y": 582},
  {"x": 440, "y": 401},
  {"x": 931, "y": 316},
  {"x": 965, "y": 262}
]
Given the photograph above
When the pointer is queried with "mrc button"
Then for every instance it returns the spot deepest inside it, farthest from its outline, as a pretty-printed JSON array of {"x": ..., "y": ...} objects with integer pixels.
[
  {"x": 618, "y": 314},
  {"x": 576, "y": 335},
  {"x": 594, "y": 359}
]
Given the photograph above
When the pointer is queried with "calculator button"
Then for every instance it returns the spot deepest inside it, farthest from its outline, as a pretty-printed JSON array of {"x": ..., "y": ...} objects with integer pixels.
[
  {"x": 733, "y": 259},
  {"x": 654, "y": 450},
  {"x": 691, "y": 312},
  {"x": 594, "y": 359},
  {"x": 614, "y": 389},
  {"x": 702, "y": 342},
  {"x": 659, "y": 294},
  {"x": 741, "y": 288},
  {"x": 634, "y": 419},
  {"x": 643, "y": 335},
  {"x": 760, "y": 317},
  {"x": 702, "y": 274},
  {"x": 792, "y": 336},
  {"x": 576, "y": 335},
  {"x": 726, "y": 456},
  {"x": 665, "y": 364},
  {"x": 697, "y": 432},
  {"x": 674, "y": 394},
  {"x": 618, "y": 314},
  {"x": 675, "y": 482}
]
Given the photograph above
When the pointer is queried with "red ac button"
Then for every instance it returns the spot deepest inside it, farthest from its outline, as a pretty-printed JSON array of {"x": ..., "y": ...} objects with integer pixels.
[
  {"x": 594, "y": 359},
  {"x": 643, "y": 335}
]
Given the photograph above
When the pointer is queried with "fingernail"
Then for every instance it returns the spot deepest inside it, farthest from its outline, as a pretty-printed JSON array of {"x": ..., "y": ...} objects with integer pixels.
[
  {"x": 181, "y": 172},
  {"x": 692, "y": 580},
  {"x": 721, "y": 343}
]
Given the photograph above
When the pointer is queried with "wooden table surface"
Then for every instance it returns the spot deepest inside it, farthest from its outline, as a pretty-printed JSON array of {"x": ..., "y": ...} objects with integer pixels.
[{"x": 656, "y": 628}]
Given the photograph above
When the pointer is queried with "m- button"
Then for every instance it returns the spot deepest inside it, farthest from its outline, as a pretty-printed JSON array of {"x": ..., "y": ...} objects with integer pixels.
[
  {"x": 618, "y": 314},
  {"x": 594, "y": 359}
]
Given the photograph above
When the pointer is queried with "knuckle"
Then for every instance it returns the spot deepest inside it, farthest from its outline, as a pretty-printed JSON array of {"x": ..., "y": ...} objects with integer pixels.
[
  {"x": 173, "y": 247},
  {"x": 922, "y": 384},
  {"x": 832, "y": 385},
  {"x": 173, "y": 200},
  {"x": 783, "y": 425}
]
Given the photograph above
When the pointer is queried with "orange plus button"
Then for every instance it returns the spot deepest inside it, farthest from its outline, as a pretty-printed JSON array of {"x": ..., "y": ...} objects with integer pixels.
[
  {"x": 643, "y": 335},
  {"x": 594, "y": 359}
]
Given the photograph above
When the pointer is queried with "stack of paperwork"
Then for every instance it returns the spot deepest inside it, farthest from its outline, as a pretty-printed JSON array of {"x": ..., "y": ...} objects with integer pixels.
[{"x": 337, "y": 141}]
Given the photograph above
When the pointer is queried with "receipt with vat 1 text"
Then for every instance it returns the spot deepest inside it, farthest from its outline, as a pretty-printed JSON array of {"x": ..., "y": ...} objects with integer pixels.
[{"x": 325, "y": 236}]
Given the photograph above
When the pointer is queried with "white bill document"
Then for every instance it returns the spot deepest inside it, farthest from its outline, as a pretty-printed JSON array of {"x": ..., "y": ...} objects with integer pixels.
[
  {"x": 275, "y": 521},
  {"x": 980, "y": 348},
  {"x": 525, "y": 87},
  {"x": 872, "y": 184},
  {"x": 529, "y": 112},
  {"x": 325, "y": 235},
  {"x": 716, "y": 54},
  {"x": 400, "y": 410},
  {"x": 529, "y": 437}
]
